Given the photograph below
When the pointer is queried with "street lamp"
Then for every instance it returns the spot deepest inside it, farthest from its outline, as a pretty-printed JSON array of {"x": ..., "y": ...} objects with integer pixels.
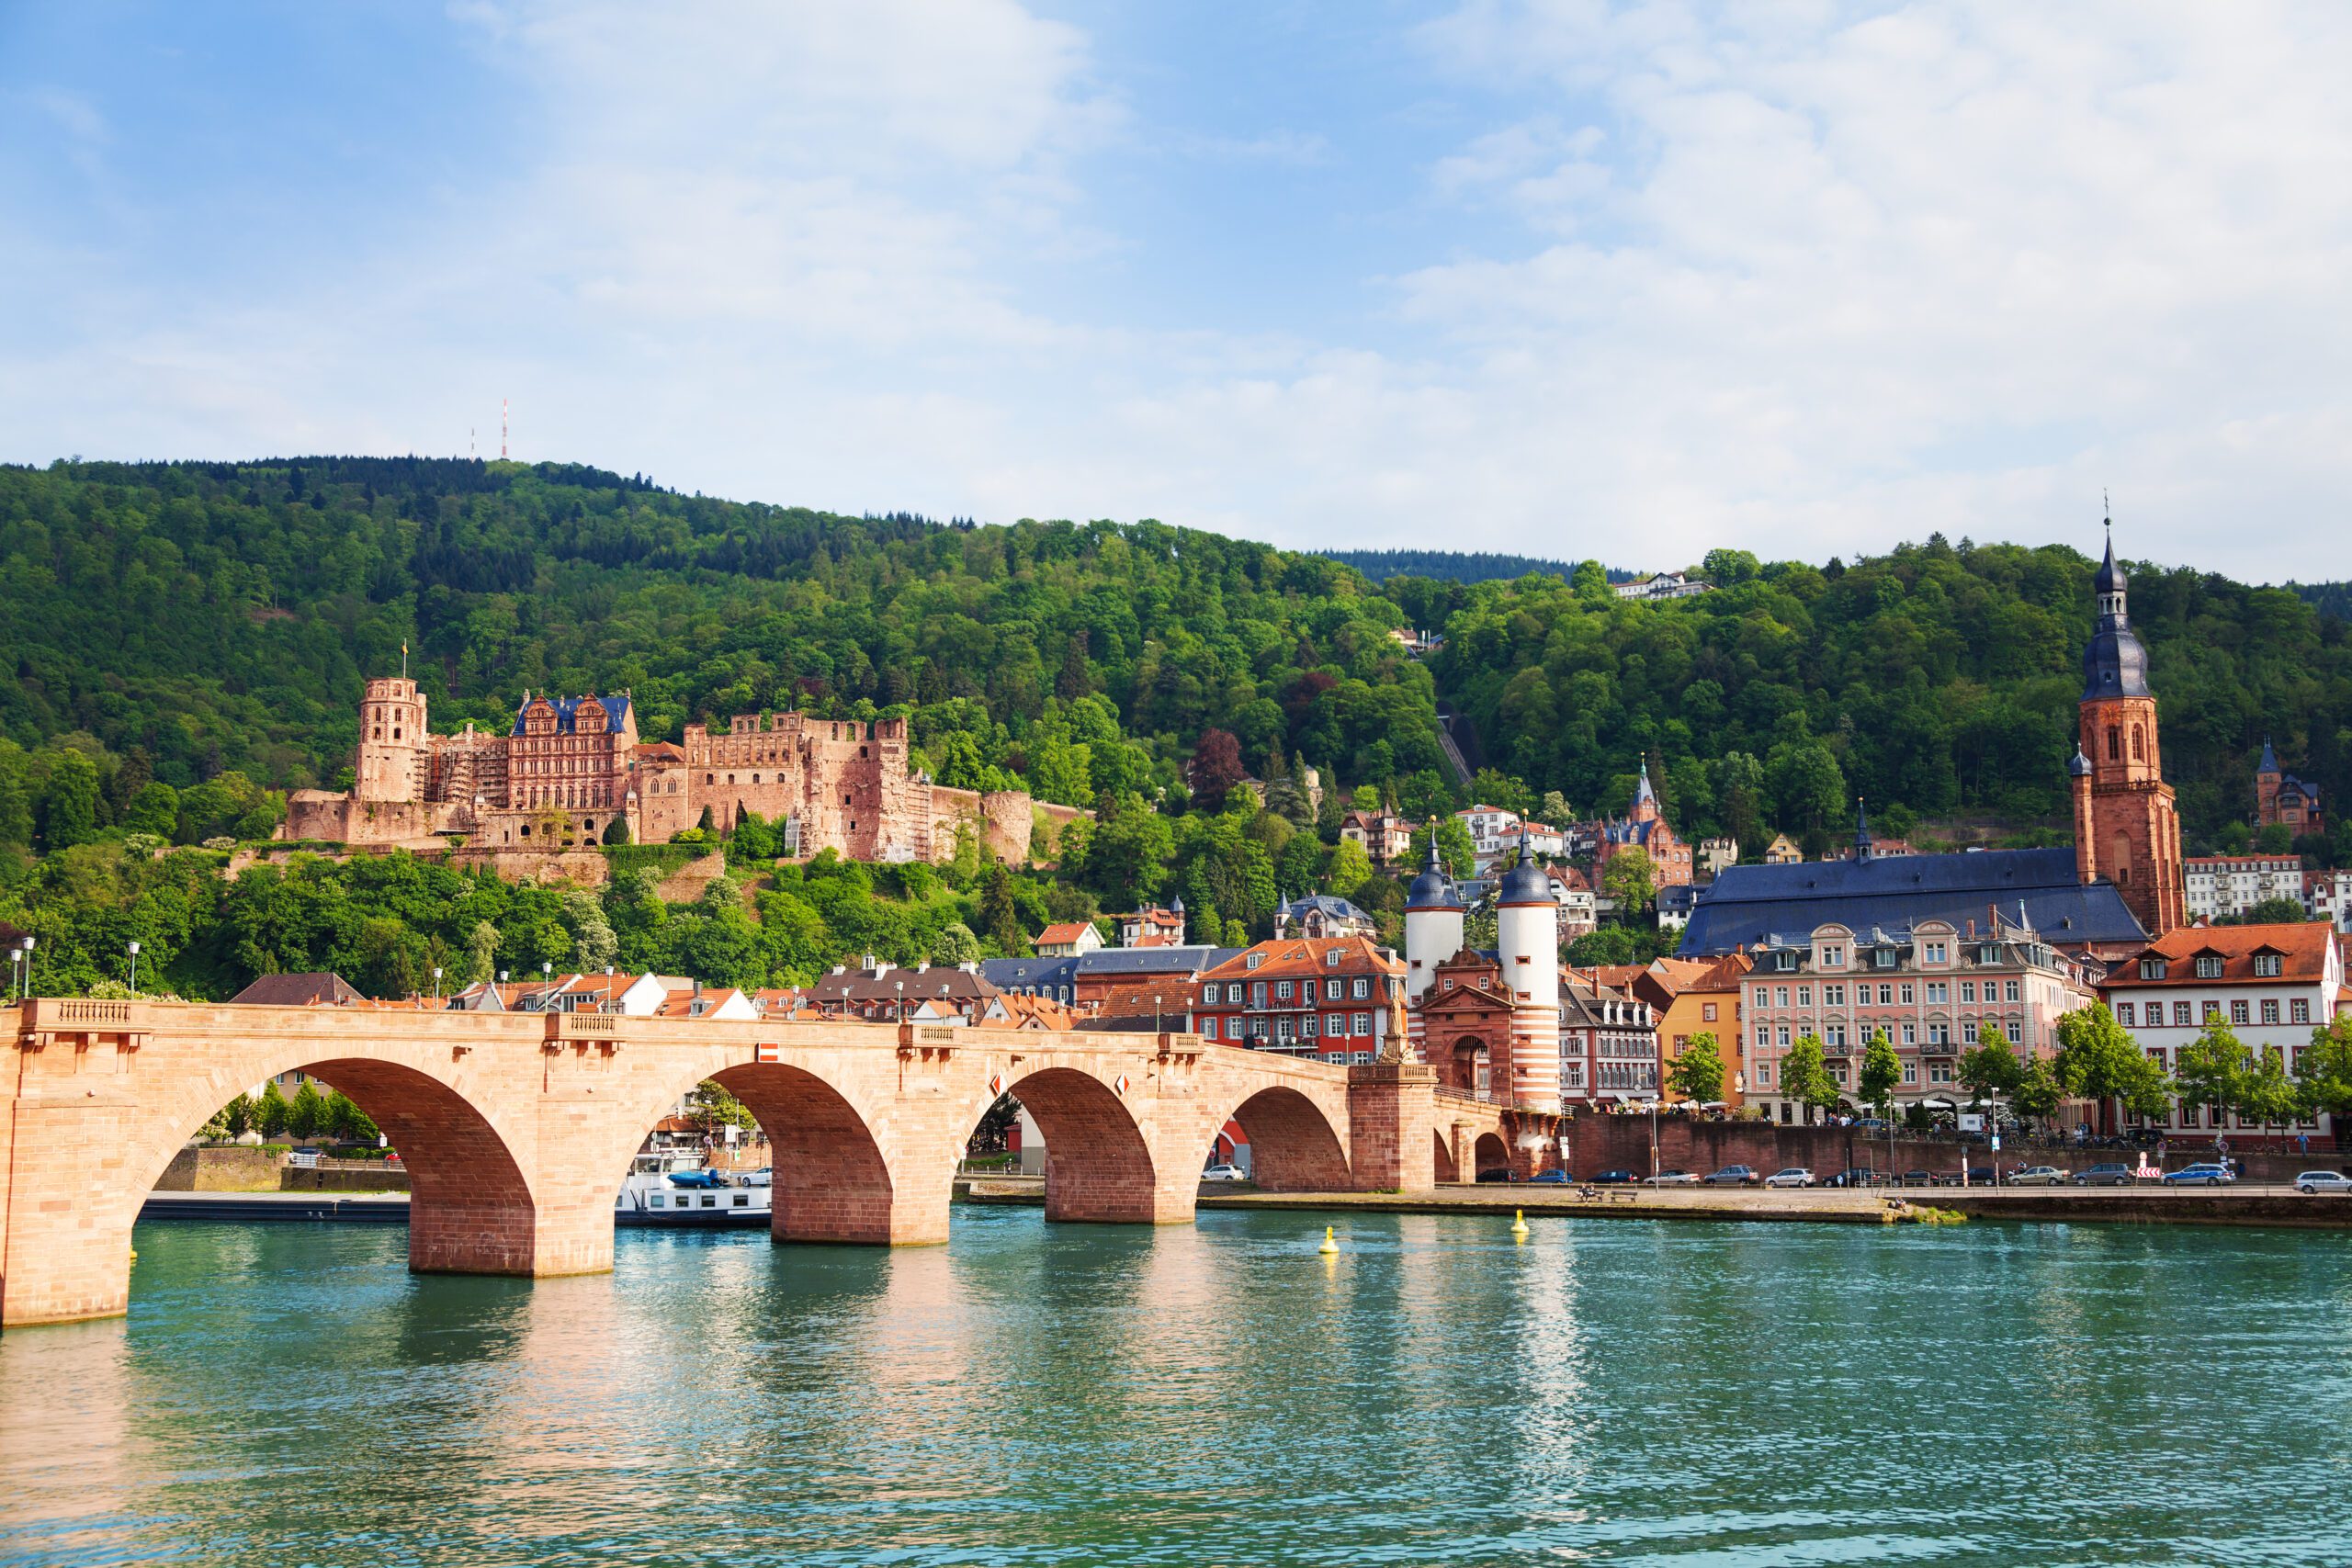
[
  {"x": 1155, "y": 1015},
  {"x": 134, "y": 966},
  {"x": 901, "y": 987},
  {"x": 437, "y": 984},
  {"x": 29, "y": 966}
]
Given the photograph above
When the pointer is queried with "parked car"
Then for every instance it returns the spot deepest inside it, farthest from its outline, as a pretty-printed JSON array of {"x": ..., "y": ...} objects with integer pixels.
[
  {"x": 763, "y": 1176},
  {"x": 1550, "y": 1178},
  {"x": 2108, "y": 1173},
  {"x": 1734, "y": 1176},
  {"x": 2039, "y": 1176},
  {"x": 2206, "y": 1174},
  {"x": 1225, "y": 1173},
  {"x": 1499, "y": 1173},
  {"x": 1858, "y": 1176},
  {"x": 1614, "y": 1179},
  {"x": 2312, "y": 1182},
  {"x": 1795, "y": 1176},
  {"x": 1674, "y": 1179},
  {"x": 1918, "y": 1179},
  {"x": 302, "y": 1157}
]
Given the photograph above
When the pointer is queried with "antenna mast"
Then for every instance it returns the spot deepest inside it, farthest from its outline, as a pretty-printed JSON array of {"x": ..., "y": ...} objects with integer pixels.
[{"x": 502, "y": 430}]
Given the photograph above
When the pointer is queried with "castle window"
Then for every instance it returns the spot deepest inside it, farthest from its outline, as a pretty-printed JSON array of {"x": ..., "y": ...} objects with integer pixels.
[
  {"x": 396, "y": 734},
  {"x": 2114, "y": 743},
  {"x": 2139, "y": 749}
]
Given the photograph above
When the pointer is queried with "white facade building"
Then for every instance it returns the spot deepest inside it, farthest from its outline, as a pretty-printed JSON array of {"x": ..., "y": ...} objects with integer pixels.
[{"x": 2220, "y": 886}]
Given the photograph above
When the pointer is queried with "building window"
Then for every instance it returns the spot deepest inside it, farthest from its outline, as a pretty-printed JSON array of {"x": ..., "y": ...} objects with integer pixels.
[
  {"x": 2123, "y": 1014},
  {"x": 1939, "y": 993},
  {"x": 2151, "y": 968},
  {"x": 2269, "y": 1009},
  {"x": 1255, "y": 959},
  {"x": 1363, "y": 987},
  {"x": 1886, "y": 996},
  {"x": 2266, "y": 965},
  {"x": 1233, "y": 992},
  {"x": 1906, "y": 993},
  {"x": 1310, "y": 1026},
  {"x": 2208, "y": 966},
  {"x": 2212, "y": 1010},
  {"x": 1804, "y": 996},
  {"x": 1363, "y": 1024},
  {"x": 2008, "y": 991},
  {"x": 2299, "y": 1010},
  {"x": 1910, "y": 1032},
  {"x": 2239, "y": 1011},
  {"x": 1706, "y": 1012},
  {"x": 1783, "y": 1036},
  {"x": 1910, "y": 1072},
  {"x": 1208, "y": 993},
  {"x": 1935, "y": 952},
  {"x": 1784, "y": 996},
  {"x": 1282, "y": 990},
  {"x": 1968, "y": 991},
  {"x": 2016, "y": 1034},
  {"x": 1832, "y": 996},
  {"x": 1833, "y": 958}
]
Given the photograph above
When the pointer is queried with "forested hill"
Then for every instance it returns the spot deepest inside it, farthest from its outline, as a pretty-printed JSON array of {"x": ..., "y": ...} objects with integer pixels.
[
  {"x": 1453, "y": 566},
  {"x": 187, "y": 622},
  {"x": 187, "y": 618},
  {"x": 1933, "y": 680}
]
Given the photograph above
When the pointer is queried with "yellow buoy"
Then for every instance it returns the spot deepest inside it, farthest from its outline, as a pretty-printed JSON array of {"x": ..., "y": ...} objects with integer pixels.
[
  {"x": 1328, "y": 1244},
  {"x": 1518, "y": 1221}
]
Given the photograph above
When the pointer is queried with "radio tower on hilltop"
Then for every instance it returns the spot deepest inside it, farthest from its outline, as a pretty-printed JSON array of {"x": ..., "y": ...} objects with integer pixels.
[{"x": 502, "y": 430}]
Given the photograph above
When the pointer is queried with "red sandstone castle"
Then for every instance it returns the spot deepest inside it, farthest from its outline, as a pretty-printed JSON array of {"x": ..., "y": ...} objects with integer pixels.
[{"x": 572, "y": 765}]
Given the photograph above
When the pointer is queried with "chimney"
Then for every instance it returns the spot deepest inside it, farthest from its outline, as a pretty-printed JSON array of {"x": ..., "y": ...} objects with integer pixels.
[{"x": 697, "y": 987}]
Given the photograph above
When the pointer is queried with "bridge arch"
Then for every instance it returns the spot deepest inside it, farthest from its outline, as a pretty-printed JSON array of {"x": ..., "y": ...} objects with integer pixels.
[
  {"x": 1445, "y": 1170},
  {"x": 1489, "y": 1152},
  {"x": 1293, "y": 1145},
  {"x": 1098, "y": 1164}
]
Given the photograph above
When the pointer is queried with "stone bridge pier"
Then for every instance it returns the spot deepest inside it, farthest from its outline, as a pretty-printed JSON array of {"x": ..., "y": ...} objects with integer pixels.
[{"x": 517, "y": 1129}]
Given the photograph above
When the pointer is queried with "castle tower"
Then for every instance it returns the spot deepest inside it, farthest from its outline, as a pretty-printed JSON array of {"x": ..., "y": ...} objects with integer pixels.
[
  {"x": 1645, "y": 808},
  {"x": 1432, "y": 934},
  {"x": 2125, "y": 827},
  {"x": 2267, "y": 775},
  {"x": 1527, "y": 947},
  {"x": 392, "y": 741}
]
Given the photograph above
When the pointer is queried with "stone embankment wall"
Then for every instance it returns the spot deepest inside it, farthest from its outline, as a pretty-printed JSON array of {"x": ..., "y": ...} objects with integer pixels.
[
  {"x": 344, "y": 1176},
  {"x": 1605, "y": 1143},
  {"x": 224, "y": 1170}
]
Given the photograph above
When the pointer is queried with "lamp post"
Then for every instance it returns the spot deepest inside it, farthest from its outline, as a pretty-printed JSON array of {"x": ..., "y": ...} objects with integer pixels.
[
  {"x": 16, "y": 972},
  {"x": 29, "y": 966},
  {"x": 901, "y": 987},
  {"x": 437, "y": 984},
  {"x": 134, "y": 966},
  {"x": 1155, "y": 1015}
]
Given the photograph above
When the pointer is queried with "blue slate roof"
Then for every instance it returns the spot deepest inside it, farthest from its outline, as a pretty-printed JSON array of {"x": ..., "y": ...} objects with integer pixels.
[
  {"x": 567, "y": 713},
  {"x": 1333, "y": 906},
  {"x": 1191, "y": 960},
  {"x": 1750, "y": 904},
  {"x": 1044, "y": 975}
]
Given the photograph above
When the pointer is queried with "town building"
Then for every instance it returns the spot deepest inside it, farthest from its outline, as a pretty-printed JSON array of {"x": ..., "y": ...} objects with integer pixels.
[
  {"x": 2281, "y": 799},
  {"x": 1704, "y": 998},
  {"x": 1674, "y": 904},
  {"x": 2328, "y": 896},
  {"x": 1321, "y": 915},
  {"x": 875, "y": 992},
  {"x": 1386, "y": 838},
  {"x": 1607, "y": 1045},
  {"x": 1644, "y": 827},
  {"x": 1068, "y": 939},
  {"x": 1715, "y": 856},
  {"x": 1340, "y": 998},
  {"x": 569, "y": 768},
  {"x": 2126, "y": 829},
  {"x": 1931, "y": 986},
  {"x": 1661, "y": 585},
  {"x": 2271, "y": 984},
  {"x": 1493, "y": 830},
  {"x": 2220, "y": 887},
  {"x": 1579, "y": 906},
  {"x": 1782, "y": 850},
  {"x": 1153, "y": 927}
]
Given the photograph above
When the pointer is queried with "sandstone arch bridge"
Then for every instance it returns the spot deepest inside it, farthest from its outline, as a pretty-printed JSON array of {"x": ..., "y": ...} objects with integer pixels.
[{"x": 518, "y": 1129}]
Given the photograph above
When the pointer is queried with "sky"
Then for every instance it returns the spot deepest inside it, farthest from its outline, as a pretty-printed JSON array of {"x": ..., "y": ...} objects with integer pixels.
[{"x": 1561, "y": 277}]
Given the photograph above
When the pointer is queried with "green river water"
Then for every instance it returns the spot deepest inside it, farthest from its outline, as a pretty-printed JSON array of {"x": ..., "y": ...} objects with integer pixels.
[{"x": 1624, "y": 1392}]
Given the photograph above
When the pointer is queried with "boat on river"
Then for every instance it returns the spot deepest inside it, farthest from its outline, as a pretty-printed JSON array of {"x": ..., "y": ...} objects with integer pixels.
[{"x": 675, "y": 1189}]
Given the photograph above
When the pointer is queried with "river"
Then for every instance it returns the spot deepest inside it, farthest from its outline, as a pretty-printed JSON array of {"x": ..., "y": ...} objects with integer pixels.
[{"x": 1620, "y": 1391}]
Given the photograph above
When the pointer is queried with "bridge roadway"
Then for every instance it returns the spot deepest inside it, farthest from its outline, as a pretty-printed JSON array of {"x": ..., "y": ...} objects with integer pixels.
[{"x": 518, "y": 1129}]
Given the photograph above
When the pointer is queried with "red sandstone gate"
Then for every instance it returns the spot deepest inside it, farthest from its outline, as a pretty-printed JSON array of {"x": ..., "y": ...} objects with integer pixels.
[{"x": 517, "y": 1129}]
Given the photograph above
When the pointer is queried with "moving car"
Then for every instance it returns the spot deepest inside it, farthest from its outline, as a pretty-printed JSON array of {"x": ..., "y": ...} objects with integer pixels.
[
  {"x": 1795, "y": 1176},
  {"x": 2107, "y": 1174},
  {"x": 1549, "y": 1179},
  {"x": 1614, "y": 1179},
  {"x": 1225, "y": 1173},
  {"x": 1674, "y": 1179},
  {"x": 2205, "y": 1174},
  {"x": 2312, "y": 1182},
  {"x": 2039, "y": 1176},
  {"x": 1734, "y": 1176}
]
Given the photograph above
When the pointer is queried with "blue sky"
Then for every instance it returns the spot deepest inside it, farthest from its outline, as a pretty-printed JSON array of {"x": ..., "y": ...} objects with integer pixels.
[{"x": 1554, "y": 275}]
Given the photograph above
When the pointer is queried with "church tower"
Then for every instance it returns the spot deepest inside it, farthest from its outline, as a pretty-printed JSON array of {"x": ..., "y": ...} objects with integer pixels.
[{"x": 2125, "y": 827}]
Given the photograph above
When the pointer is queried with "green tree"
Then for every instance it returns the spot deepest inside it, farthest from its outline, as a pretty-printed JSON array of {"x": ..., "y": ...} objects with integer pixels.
[
  {"x": 69, "y": 803},
  {"x": 270, "y": 1110},
  {"x": 481, "y": 954},
  {"x": 2037, "y": 1093},
  {"x": 2097, "y": 1061},
  {"x": 617, "y": 830},
  {"x": 2273, "y": 912},
  {"x": 1989, "y": 1069},
  {"x": 2266, "y": 1095},
  {"x": 1804, "y": 1078},
  {"x": 955, "y": 946},
  {"x": 155, "y": 809},
  {"x": 2210, "y": 1069},
  {"x": 2324, "y": 1072},
  {"x": 1348, "y": 869},
  {"x": 1882, "y": 1070},
  {"x": 306, "y": 1115},
  {"x": 998, "y": 916},
  {"x": 237, "y": 1116},
  {"x": 1628, "y": 879},
  {"x": 1697, "y": 1071}
]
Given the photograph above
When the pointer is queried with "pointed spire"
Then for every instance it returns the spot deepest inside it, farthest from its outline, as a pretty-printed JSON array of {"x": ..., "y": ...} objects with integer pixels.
[
  {"x": 1861, "y": 831},
  {"x": 2269, "y": 763}
]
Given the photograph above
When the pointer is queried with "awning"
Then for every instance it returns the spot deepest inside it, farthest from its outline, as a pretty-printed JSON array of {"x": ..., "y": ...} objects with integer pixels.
[{"x": 1938, "y": 1102}]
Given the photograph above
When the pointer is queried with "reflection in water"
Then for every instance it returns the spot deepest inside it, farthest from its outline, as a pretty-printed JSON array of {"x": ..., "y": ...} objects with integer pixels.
[{"x": 1619, "y": 1391}]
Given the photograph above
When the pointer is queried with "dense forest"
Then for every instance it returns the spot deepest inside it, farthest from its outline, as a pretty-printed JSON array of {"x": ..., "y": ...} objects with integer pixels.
[
  {"x": 188, "y": 641},
  {"x": 1452, "y": 566}
]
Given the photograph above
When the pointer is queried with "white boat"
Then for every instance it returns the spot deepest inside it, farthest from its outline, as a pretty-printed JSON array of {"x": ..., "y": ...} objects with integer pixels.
[{"x": 677, "y": 1189}]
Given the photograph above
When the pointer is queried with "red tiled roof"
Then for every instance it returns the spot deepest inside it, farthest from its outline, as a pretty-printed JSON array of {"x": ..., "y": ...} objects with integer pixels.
[
  {"x": 1294, "y": 957},
  {"x": 1066, "y": 932},
  {"x": 2302, "y": 947}
]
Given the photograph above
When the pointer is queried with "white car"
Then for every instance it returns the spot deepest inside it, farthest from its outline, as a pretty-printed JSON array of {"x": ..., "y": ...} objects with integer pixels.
[
  {"x": 2039, "y": 1176},
  {"x": 2312, "y": 1182},
  {"x": 763, "y": 1176},
  {"x": 1795, "y": 1176},
  {"x": 1225, "y": 1173}
]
